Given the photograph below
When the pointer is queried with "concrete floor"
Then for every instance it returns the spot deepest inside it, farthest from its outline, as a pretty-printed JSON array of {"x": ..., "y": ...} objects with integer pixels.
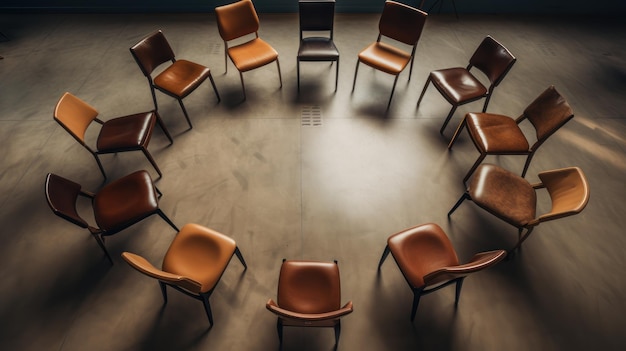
[{"x": 252, "y": 170}]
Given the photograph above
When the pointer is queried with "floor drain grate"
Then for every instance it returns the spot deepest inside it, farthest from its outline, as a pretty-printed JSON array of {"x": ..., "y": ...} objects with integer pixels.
[
  {"x": 215, "y": 48},
  {"x": 311, "y": 116}
]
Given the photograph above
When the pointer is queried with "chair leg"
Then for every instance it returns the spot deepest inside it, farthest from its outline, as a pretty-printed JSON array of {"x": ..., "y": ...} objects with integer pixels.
[
  {"x": 279, "y": 329},
  {"x": 337, "y": 74},
  {"x": 225, "y": 57},
  {"x": 423, "y": 92},
  {"x": 214, "y": 88},
  {"x": 356, "y": 70},
  {"x": 100, "y": 242},
  {"x": 459, "y": 285},
  {"x": 445, "y": 123},
  {"x": 280, "y": 77},
  {"x": 416, "y": 301},
  {"x": 243, "y": 87},
  {"x": 163, "y": 291},
  {"x": 384, "y": 256},
  {"x": 457, "y": 132},
  {"x": 476, "y": 164},
  {"x": 167, "y": 220},
  {"x": 392, "y": 90},
  {"x": 207, "y": 308},
  {"x": 149, "y": 157},
  {"x": 180, "y": 102},
  {"x": 459, "y": 202},
  {"x": 337, "y": 332},
  {"x": 298, "y": 73},
  {"x": 486, "y": 102},
  {"x": 100, "y": 165},
  {"x": 530, "y": 157},
  {"x": 163, "y": 128},
  {"x": 522, "y": 238},
  {"x": 240, "y": 257}
]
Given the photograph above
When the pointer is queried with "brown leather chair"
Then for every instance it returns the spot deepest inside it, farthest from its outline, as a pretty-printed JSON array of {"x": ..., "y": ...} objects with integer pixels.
[
  {"x": 193, "y": 264},
  {"x": 309, "y": 295},
  {"x": 459, "y": 86},
  {"x": 429, "y": 262},
  {"x": 128, "y": 133},
  {"x": 402, "y": 23},
  {"x": 179, "y": 79},
  {"x": 116, "y": 206},
  {"x": 514, "y": 200},
  {"x": 239, "y": 20},
  {"x": 495, "y": 134},
  {"x": 317, "y": 16}
]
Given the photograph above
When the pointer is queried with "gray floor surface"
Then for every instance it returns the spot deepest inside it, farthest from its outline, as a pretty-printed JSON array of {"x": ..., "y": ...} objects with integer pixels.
[{"x": 255, "y": 171}]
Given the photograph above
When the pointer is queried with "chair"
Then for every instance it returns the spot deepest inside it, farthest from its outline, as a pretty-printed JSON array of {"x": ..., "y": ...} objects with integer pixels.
[
  {"x": 403, "y": 24},
  {"x": 116, "y": 206},
  {"x": 428, "y": 261},
  {"x": 309, "y": 295},
  {"x": 494, "y": 134},
  {"x": 193, "y": 264},
  {"x": 177, "y": 80},
  {"x": 128, "y": 133},
  {"x": 514, "y": 200},
  {"x": 317, "y": 16},
  {"x": 238, "y": 20},
  {"x": 459, "y": 86}
]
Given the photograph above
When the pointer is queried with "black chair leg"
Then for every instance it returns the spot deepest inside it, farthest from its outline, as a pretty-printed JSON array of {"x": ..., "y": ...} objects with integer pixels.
[
  {"x": 163, "y": 291},
  {"x": 445, "y": 123},
  {"x": 356, "y": 70},
  {"x": 215, "y": 88},
  {"x": 423, "y": 92},
  {"x": 100, "y": 242},
  {"x": 240, "y": 257},
  {"x": 416, "y": 301},
  {"x": 207, "y": 308},
  {"x": 459, "y": 285},
  {"x": 279, "y": 329},
  {"x": 180, "y": 102},
  {"x": 337, "y": 332},
  {"x": 168, "y": 220},
  {"x": 392, "y": 90},
  {"x": 384, "y": 256},
  {"x": 458, "y": 203}
]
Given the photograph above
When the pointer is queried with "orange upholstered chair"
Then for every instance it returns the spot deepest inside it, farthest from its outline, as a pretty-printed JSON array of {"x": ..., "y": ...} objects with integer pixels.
[
  {"x": 429, "y": 262},
  {"x": 179, "y": 79},
  {"x": 403, "y": 24},
  {"x": 116, "y": 206},
  {"x": 514, "y": 200},
  {"x": 193, "y": 264},
  {"x": 127, "y": 133},
  {"x": 309, "y": 295},
  {"x": 495, "y": 134},
  {"x": 239, "y": 20},
  {"x": 459, "y": 86}
]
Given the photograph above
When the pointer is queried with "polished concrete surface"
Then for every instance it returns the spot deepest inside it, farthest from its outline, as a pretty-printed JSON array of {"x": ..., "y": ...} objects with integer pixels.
[{"x": 256, "y": 172}]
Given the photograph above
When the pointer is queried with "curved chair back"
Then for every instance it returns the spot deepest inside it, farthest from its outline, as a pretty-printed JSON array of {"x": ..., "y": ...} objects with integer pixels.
[
  {"x": 493, "y": 59},
  {"x": 236, "y": 20},
  {"x": 569, "y": 192},
  {"x": 317, "y": 15},
  {"x": 74, "y": 115},
  {"x": 401, "y": 22},
  {"x": 309, "y": 287},
  {"x": 547, "y": 113},
  {"x": 151, "y": 52},
  {"x": 61, "y": 194}
]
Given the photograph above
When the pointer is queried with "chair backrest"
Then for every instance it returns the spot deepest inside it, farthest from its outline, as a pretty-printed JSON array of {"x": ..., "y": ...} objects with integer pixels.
[
  {"x": 74, "y": 115},
  {"x": 309, "y": 287},
  {"x": 548, "y": 112},
  {"x": 402, "y": 22},
  {"x": 151, "y": 52},
  {"x": 61, "y": 194},
  {"x": 493, "y": 59},
  {"x": 317, "y": 15},
  {"x": 236, "y": 20},
  {"x": 569, "y": 192}
]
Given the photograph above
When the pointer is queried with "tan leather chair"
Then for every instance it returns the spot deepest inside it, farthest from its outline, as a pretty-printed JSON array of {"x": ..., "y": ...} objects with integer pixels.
[
  {"x": 514, "y": 200},
  {"x": 317, "y": 16},
  {"x": 179, "y": 79},
  {"x": 459, "y": 86},
  {"x": 116, "y": 206},
  {"x": 193, "y": 264},
  {"x": 128, "y": 133},
  {"x": 429, "y": 262},
  {"x": 495, "y": 134},
  {"x": 309, "y": 295},
  {"x": 240, "y": 20},
  {"x": 403, "y": 24}
]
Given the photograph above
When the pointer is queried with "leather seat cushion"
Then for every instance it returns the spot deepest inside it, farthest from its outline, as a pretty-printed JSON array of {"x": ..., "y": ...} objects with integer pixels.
[
  {"x": 181, "y": 78},
  {"x": 494, "y": 133},
  {"x": 458, "y": 85}
]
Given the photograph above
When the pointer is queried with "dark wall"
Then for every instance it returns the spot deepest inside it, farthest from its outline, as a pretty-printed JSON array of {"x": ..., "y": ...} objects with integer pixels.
[{"x": 278, "y": 6}]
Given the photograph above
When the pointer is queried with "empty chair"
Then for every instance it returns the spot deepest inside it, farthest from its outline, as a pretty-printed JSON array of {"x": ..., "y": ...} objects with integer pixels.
[
  {"x": 116, "y": 206},
  {"x": 495, "y": 134},
  {"x": 309, "y": 295},
  {"x": 239, "y": 20},
  {"x": 429, "y": 262},
  {"x": 403, "y": 24},
  {"x": 127, "y": 133},
  {"x": 459, "y": 86},
  {"x": 193, "y": 264},
  {"x": 317, "y": 16},
  {"x": 179, "y": 79},
  {"x": 514, "y": 200}
]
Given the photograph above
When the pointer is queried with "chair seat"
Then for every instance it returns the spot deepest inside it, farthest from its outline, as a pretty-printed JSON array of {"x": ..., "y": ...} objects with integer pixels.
[
  {"x": 252, "y": 54},
  {"x": 503, "y": 193},
  {"x": 317, "y": 49},
  {"x": 206, "y": 255},
  {"x": 421, "y": 250},
  {"x": 494, "y": 133},
  {"x": 125, "y": 201},
  {"x": 181, "y": 78},
  {"x": 385, "y": 58},
  {"x": 126, "y": 133},
  {"x": 458, "y": 85}
]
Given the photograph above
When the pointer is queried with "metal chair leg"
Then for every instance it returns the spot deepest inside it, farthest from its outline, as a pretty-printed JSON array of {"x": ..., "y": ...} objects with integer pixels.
[
  {"x": 458, "y": 203},
  {"x": 384, "y": 256}
]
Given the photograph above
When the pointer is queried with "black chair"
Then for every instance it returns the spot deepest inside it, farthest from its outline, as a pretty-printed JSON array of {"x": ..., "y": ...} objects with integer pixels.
[{"x": 317, "y": 16}]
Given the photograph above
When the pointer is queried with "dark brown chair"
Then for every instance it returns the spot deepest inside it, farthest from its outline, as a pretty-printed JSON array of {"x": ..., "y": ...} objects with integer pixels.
[
  {"x": 514, "y": 200},
  {"x": 116, "y": 206},
  {"x": 238, "y": 21},
  {"x": 179, "y": 79},
  {"x": 429, "y": 262},
  {"x": 193, "y": 264},
  {"x": 128, "y": 133},
  {"x": 309, "y": 295},
  {"x": 403, "y": 24},
  {"x": 317, "y": 16},
  {"x": 459, "y": 86}
]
